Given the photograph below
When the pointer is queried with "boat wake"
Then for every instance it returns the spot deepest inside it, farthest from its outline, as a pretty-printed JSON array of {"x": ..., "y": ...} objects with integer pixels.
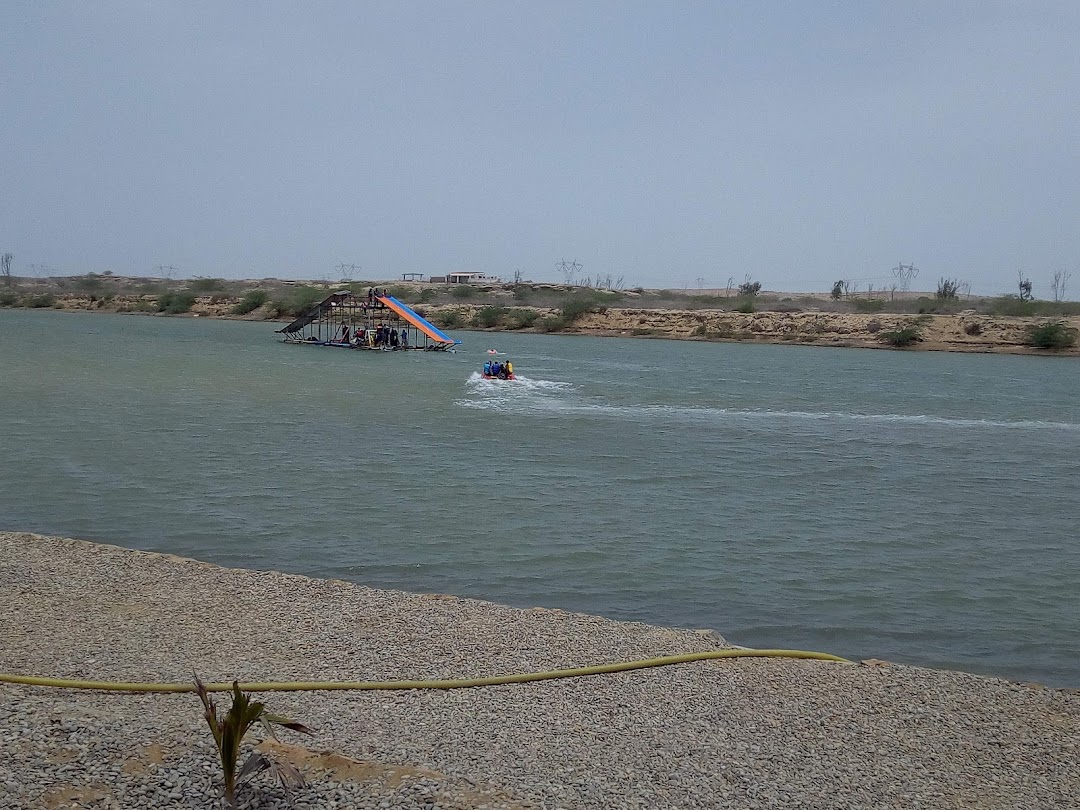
[
  {"x": 477, "y": 383},
  {"x": 541, "y": 397}
]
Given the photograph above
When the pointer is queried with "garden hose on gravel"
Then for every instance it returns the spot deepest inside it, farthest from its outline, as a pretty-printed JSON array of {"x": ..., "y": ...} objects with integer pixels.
[{"x": 463, "y": 683}]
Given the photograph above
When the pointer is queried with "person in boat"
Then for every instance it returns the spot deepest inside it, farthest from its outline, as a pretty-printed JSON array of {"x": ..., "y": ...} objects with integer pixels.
[
  {"x": 487, "y": 368},
  {"x": 509, "y": 369}
]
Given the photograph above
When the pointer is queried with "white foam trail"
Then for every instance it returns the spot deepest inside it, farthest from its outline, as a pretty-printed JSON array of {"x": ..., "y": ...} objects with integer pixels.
[
  {"x": 476, "y": 382},
  {"x": 718, "y": 415}
]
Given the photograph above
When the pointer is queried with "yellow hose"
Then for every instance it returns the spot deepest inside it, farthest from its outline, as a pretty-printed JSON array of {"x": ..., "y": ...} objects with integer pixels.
[{"x": 524, "y": 677}]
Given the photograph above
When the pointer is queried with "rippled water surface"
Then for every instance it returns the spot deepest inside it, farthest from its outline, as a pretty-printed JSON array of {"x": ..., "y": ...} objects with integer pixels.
[{"x": 917, "y": 507}]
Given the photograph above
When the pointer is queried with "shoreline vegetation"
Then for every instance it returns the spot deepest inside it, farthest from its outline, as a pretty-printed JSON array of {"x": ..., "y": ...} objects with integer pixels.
[
  {"x": 942, "y": 321},
  {"x": 735, "y": 733}
]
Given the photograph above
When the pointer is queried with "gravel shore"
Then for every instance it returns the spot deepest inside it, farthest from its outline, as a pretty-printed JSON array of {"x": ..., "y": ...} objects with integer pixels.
[{"x": 742, "y": 733}]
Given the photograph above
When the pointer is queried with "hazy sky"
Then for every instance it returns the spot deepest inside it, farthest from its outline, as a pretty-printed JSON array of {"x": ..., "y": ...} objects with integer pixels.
[{"x": 661, "y": 142}]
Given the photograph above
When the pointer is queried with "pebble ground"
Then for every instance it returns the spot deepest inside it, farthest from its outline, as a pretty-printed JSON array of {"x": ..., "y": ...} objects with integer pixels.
[{"x": 746, "y": 733}]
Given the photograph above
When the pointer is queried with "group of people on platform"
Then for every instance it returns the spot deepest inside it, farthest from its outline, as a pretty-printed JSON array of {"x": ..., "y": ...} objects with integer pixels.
[
  {"x": 381, "y": 337},
  {"x": 503, "y": 371}
]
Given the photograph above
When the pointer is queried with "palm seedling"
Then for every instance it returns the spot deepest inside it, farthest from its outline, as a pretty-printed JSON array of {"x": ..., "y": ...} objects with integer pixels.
[{"x": 229, "y": 731}]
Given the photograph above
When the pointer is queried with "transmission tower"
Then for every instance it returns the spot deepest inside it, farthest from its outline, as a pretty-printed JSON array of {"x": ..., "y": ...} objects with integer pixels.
[
  {"x": 904, "y": 273},
  {"x": 166, "y": 270},
  {"x": 347, "y": 271},
  {"x": 568, "y": 269}
]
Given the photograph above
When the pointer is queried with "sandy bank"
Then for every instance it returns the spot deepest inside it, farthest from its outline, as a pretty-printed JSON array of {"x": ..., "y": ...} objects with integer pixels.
[
  {"x": 744, "y": 733},
  {"x": 969, "y": 332}
]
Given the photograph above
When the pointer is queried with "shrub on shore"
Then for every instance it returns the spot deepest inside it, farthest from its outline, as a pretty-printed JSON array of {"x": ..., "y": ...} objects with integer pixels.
[
  {"x": 463, "y": 291},
  {"x": 521, "y": 318},
  {"x": 448, "y": 319},
  {"x": 746, "y": 306},
  {"x": 9, "y": 299},
  {"x": 869, "y": 305},
  {"x": 42, "y": 301},
  {"x": 582, "y": 302},
  {"x": 490, "y": 317},
  {"x": 251, "y": 302},
  {"x": 552, "y": 323},
  {"x": 908, "y": 336},
  {"x": 201, "y": 286},
  {"x": 1053, "y": 336},
  {"x": 175, "y": 303},
  {"x": 300, "y": 301}
]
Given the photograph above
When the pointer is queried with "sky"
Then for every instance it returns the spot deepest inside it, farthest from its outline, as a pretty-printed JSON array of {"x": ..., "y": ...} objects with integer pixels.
[{"x": 666, "y": 144}]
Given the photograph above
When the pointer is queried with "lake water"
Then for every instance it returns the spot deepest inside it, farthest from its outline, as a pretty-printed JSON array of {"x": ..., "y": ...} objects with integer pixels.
[{"x": 917, "y": 507}]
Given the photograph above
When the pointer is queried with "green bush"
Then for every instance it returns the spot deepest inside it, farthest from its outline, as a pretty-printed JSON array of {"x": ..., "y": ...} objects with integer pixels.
[
  {"x": 449, "y": 318},
  {"x": 201, "y": 286},
  {"x": 552, "y": 323},
  {"x": 580, "y": 303},
  {"x": 9, "y": 299},
  {"x": 907, "y": 336},
  {"x": 1012, "y": 305},
  {"x": 42, "y": 301},
  {"x": 868, "y": 305},
  {"x": 521, "y": 318},
  {"x": 490, "y": 317},
  {"x": 1054, "y": 336},
  {"x": 300, "y": 301},
  {"x": 401, "y": 292},
  {"x": 89, "y": 283},
  {"x": 463, "y": 291},
  {"x": 175, "y": 303},
  {"x": 251, "y": 302},
  {"x": 745, "y": 306}
]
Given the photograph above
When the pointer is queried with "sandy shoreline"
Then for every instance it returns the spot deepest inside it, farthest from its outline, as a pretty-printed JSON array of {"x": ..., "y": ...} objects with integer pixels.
[{"x": 738, "y": 733}]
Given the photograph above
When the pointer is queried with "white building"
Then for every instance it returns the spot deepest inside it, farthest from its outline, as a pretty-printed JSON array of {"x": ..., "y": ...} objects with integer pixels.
[{"x": 472, "y": 278}]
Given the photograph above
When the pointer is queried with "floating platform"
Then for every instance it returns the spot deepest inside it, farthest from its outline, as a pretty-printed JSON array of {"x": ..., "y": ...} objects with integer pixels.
[{"x": 382, "y": 322}]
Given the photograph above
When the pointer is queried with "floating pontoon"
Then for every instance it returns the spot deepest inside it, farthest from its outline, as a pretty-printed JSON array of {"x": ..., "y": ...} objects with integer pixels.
[{"x": 348, "y": 321}]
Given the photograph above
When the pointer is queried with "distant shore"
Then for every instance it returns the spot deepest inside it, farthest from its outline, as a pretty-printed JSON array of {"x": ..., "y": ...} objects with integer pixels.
[
  {"x": 733, "y": 733},
  {"x": 771, "y": 320}
]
